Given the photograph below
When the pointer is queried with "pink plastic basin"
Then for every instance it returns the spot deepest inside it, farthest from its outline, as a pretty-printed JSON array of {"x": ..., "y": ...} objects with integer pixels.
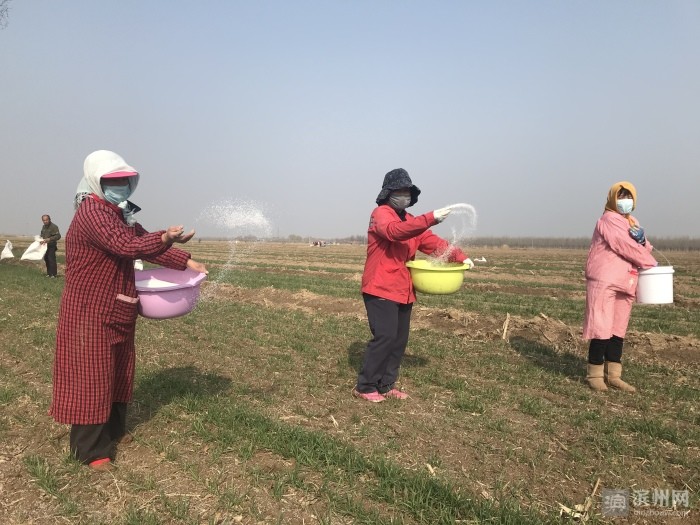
[{"x": 165, "y": 293}]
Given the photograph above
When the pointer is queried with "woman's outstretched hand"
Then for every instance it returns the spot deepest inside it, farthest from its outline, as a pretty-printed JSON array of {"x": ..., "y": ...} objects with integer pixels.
[
  {"x": 176, "y": 234},
  {"x": 441, "y": 214}
]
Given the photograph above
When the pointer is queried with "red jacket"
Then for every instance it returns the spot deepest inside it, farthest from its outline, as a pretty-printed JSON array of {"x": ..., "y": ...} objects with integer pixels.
[{"x": 391, "y": 243}]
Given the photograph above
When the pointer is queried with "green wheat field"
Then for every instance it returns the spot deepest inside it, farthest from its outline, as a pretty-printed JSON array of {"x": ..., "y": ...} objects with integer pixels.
[{"x": 242, "y": 410}]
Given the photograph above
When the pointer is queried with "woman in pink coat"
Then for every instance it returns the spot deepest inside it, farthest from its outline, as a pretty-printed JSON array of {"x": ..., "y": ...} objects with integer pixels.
[
  {"x": 619, "y": 249},
  {"x": 93, "y": 370}
]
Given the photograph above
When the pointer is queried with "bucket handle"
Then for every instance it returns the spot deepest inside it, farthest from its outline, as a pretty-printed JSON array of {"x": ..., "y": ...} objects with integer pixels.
[{"x": 662, "y": 255}]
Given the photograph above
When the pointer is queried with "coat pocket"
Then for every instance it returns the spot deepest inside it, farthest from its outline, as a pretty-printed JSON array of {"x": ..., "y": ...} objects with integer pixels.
[{"x": 125, "y": 310}]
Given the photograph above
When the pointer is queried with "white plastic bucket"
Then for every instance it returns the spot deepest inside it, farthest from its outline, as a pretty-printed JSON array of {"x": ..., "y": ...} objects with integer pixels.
[{"x": 655, "y": 285}]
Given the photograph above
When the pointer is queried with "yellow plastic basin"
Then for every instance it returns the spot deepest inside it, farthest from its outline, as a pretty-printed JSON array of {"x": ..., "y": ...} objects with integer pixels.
[{"x": 436, "y": 279}]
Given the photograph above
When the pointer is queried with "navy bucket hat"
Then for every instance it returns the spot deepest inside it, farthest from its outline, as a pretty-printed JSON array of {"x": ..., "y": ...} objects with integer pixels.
[{"x": 395, "y": 180}]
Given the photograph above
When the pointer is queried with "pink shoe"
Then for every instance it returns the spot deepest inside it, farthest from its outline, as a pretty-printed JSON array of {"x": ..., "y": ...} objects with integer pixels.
[
  {"x": 372, "y": 397},
  {"x": 101, "y": 464},
  {"x": 395, "y": 393}
]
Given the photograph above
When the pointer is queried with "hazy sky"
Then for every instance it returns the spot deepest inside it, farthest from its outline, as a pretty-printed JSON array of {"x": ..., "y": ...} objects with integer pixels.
[{"x": 527, "y": 110}]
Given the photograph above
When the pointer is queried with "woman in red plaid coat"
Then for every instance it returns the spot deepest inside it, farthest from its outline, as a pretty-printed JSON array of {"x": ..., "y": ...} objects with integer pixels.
[{"x": 93, "y": 371}]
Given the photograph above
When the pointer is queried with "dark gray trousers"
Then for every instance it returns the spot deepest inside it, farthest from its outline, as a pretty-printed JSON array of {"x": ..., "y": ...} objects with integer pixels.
[
  {"x": 389, "y": 322},
  {"x": 50, "y": 260},
  {"x": 91, "y": 442}
]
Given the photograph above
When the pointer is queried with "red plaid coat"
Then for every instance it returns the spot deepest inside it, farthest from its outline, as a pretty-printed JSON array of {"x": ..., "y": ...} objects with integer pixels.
[{"x": 95, "y": 354}]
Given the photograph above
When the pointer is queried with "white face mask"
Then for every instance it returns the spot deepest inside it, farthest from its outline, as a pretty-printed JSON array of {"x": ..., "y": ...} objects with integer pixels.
[
  {"x": 625, "y": 206},
  {"x": 399, "y": 202}
]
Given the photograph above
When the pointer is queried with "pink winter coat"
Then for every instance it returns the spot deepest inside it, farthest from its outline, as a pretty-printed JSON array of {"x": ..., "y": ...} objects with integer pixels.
[
  {"x": 613, "y": 262},
  {"x": 614, "y": 255}
]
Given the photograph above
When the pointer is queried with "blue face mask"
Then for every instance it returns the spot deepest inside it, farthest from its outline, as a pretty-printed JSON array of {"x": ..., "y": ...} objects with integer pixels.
[
  {"x": 117, "y": 194},
  {"x": 625, "y": 206}
]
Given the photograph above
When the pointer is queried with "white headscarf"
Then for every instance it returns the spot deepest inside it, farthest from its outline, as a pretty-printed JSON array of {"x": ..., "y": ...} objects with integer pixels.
[{"x": 98, "y": 164}]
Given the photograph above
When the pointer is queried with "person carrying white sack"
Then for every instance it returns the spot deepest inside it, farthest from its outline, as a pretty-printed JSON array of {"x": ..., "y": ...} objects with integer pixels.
[{"x": 50, "y": 236}]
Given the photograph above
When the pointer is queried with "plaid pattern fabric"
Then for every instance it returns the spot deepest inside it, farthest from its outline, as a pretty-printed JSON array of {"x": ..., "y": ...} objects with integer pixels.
[{"x": 95, "y": 355}]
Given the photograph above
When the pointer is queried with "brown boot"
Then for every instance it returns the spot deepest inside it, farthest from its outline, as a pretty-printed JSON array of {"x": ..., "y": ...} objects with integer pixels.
[
  {"x": 613, "y": 371},
  {"x": 594, "y": 377}
]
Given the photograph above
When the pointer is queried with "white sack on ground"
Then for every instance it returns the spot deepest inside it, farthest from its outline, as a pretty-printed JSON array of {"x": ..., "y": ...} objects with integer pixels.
[
  {"x": 7, "y": 251},
  {"x": 35, "y": 252}
]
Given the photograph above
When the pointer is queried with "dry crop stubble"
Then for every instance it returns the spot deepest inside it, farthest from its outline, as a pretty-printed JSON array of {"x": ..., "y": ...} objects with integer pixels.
[{"x": 242, "y": 409}]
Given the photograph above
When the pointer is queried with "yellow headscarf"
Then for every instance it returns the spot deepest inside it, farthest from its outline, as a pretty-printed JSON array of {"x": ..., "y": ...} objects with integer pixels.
[{"x": 611, "y": 205}]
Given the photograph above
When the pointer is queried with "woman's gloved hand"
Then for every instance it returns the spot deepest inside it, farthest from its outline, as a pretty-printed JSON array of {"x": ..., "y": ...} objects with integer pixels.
[
  {"x": 441, "y": 214},
  {"x": 469, "y": 263},
  {"x": 637, "y": 233}
]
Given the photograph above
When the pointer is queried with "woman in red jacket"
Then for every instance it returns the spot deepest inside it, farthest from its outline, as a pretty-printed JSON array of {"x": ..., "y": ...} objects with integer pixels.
[
  {"x": 93, "y": 370},
  {"x": 393, "y": 238}
]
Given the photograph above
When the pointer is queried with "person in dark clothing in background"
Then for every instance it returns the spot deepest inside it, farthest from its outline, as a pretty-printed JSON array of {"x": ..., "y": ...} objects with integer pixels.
[{"x": 49, "y": 236}]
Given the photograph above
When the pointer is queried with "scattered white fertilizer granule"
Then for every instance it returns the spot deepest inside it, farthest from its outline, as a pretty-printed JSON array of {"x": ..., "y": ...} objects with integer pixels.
[{"x": 234, "y": 218}]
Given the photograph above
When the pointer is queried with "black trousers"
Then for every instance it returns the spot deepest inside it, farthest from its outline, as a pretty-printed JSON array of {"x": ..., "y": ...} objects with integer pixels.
[
  {"x": 91, "y": 442},
  {"x": 601, "y": 350},
  {"x": 50, "y": 260},
  {"x": 389, "y": 322}
]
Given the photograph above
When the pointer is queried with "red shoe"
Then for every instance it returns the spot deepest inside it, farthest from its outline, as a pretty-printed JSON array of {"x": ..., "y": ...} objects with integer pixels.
[
  {"x": 101, "y": 464},
  {"x": 395, "y": 393},
  {"x": 372, "y": 397}
]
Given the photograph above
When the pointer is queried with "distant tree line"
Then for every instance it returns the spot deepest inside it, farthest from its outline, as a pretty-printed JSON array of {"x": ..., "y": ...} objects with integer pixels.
[{"x": 661, "y": 243}]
